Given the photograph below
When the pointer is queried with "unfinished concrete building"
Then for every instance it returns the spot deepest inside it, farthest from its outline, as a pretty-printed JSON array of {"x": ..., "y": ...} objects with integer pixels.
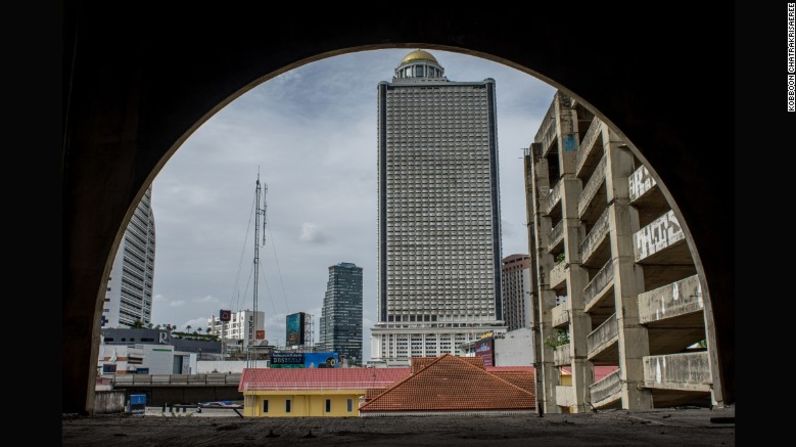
[{"x": 606, "y": 245}]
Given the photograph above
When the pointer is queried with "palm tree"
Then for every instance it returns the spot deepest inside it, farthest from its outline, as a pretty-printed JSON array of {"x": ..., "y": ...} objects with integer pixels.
[{"x": 188, "y": 328}]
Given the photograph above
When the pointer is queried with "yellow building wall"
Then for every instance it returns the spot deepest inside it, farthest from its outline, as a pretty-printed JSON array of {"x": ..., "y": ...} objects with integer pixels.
[{"x": 303, "y": 403}]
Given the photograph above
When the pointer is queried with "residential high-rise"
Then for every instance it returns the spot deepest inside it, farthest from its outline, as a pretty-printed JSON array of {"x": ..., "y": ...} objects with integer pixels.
[
  {"x": 615, "y": 281},
  {"x": 517, "y": 291},
  {"x": 439, "y": 213},
  {"x": 128, "y": 297},
  {"x": 341, "y": 315},
  {"x": 242, "y": 327}
]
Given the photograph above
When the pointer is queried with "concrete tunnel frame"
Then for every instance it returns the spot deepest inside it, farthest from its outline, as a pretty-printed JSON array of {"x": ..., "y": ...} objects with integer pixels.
[{"x": 142, "y": 181}]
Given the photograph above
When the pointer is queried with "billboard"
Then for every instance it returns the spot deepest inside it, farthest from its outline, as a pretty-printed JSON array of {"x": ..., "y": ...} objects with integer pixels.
[
  {"x": 485, "y": 348},
  {"x": 305, "y": 360},
  {"x": 295, "y": 329},
  {"x": 287, "y": 360},
  {"x": 321, "y": 360},
  {"x": 224, "y": 315},
  {"x": 259, "y": 334}
]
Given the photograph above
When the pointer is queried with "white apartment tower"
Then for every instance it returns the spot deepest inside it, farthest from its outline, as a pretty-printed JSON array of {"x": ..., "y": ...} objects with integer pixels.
[
  {"x": 242, "y": 326},
  {"x": 128, "y": 297},
  {"x": 439, "y": 271}
]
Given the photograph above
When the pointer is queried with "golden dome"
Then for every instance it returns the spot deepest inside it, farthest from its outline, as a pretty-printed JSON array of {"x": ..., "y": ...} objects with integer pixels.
[{"x": 418, "y": 55}]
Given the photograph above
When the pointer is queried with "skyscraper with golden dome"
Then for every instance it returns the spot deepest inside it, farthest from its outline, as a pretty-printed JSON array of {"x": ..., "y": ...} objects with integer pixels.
[{"x": 439, "y": 213}]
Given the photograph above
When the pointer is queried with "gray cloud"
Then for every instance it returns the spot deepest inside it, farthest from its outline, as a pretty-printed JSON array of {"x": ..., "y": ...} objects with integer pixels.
[
  {"x": 195, "y": 324},
  {"x": 310, "y": 232}
]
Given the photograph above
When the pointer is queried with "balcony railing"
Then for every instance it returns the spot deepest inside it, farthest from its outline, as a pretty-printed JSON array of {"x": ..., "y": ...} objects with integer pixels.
[
  {"x": 556, "y": 234},
  {"x": 601, "y": 336},
  {"x": 587, "y": 143},
  {"x": 592, "y": 186},
  {"x": 598, "y": 282},
  {"x": 639, "y": 182},
  {"x": 553, "y": 197},
  {"x": 606, "y": 387},
  {"x": 549, "y": 133},
  {"x": 658, "y": 235},
  {"x": 543, "y": 134},
  {"x": 560, "y": 315},
  {"x": 677, "y": 298},
  {"x": 690, "y": 371},
  {"x": 558, "y": 274},
  {"x": 591, "y": 241},
  {"x": 561, "y": 355},
  {"x": 565, "y": 396}
]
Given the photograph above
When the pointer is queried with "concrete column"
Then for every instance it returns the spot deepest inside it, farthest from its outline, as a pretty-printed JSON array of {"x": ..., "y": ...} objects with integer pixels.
[
  {"x": 579, "y": 326},
  {"x": 539, "y": 228},
  {"x": 577, "y": 277},
  {"x": 628, "y": 278}
]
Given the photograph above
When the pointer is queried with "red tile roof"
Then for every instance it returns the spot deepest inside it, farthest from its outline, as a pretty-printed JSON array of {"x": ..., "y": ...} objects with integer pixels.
[
  {"x": 451, "y": 383},
  {"x": 419, "y": 363},
  {"x": 274, "y": 379},
  {"x": 525, "y": 378},
  {"x": 370, "y": 393}
]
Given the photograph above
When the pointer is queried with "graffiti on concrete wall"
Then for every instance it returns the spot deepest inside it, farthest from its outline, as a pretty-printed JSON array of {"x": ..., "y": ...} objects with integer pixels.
[
  {"x": 640, "y": 182},
  {"x": 661, "y": 233}
]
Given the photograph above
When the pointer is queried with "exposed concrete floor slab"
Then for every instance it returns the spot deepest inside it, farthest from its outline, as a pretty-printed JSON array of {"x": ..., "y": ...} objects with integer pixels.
[{"x": 692, "y": 427}]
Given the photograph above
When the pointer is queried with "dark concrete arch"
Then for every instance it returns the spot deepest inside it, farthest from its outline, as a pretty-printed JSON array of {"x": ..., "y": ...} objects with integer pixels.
[{"x": 139, "y": 82}]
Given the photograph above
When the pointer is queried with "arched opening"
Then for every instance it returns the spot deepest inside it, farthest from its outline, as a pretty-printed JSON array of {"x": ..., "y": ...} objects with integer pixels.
[{"x": 146, "y": 150}]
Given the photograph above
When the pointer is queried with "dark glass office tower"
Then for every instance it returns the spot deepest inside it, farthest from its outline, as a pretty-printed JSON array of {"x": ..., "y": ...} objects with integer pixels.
[{"x": 341, "y": 316}]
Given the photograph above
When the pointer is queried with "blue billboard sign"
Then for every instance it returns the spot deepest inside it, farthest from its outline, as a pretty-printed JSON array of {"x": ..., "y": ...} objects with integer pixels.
[
  {"x": 321, "y": 360},
  {"x": 305, "y": 360}
]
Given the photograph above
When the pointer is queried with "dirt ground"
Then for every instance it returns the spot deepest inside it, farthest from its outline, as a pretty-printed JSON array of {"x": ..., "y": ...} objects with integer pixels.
[{"x": 682, "y": 427}]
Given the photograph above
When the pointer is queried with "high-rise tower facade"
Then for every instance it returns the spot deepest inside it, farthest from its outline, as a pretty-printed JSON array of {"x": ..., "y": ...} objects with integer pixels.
[
  {"x": 517, "y": 292},
  {"x": 128, "y": 297},
  {"x": 439, "y": 212},
  {"x": 341, "y": 315}
]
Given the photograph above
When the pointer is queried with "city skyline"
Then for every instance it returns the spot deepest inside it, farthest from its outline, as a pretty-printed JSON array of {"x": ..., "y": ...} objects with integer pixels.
[{"x": 322, "y": 187}]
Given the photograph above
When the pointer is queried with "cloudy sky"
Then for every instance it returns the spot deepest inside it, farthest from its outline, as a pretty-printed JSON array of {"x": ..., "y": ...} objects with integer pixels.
[{"x": 312, "y": 132}]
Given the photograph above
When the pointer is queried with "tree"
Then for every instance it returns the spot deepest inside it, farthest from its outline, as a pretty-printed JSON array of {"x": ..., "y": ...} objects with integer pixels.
[
  {"x": 188, "y": 328},
  {"x": 137, "y": 324}
]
